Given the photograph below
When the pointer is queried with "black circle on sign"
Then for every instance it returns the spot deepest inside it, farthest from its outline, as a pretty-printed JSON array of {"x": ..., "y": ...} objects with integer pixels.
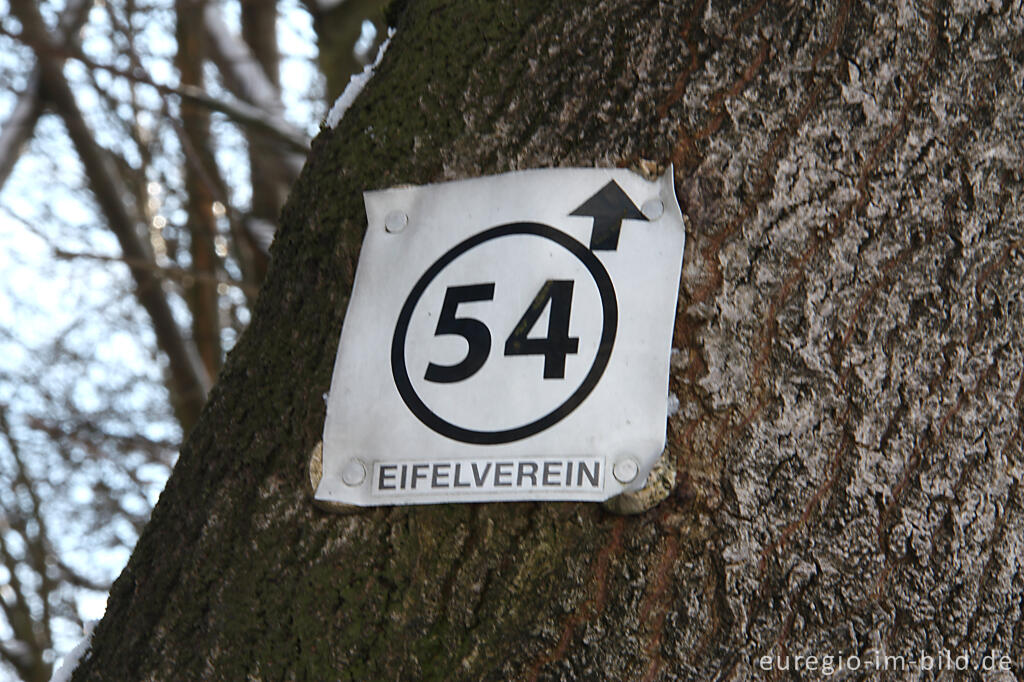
[{"x": 609, "y": 309}]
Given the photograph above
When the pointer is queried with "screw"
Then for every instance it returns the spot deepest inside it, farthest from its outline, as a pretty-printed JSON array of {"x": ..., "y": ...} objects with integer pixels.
[
  {"x": 395, "y": 221},
  {"x": 625, "y": 470},
  {"x": 354, "y": 473}
]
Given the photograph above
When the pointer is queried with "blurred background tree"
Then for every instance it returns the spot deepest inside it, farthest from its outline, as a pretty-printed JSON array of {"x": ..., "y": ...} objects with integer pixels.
[{"x": 146, "y": 149}]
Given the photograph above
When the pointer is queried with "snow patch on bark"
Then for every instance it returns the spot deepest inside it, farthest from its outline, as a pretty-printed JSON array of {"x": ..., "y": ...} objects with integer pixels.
[
  {"x": 367, "y": 34},
  {"x": 356, "y": 85},
  {"x": 71, "y": 659}
]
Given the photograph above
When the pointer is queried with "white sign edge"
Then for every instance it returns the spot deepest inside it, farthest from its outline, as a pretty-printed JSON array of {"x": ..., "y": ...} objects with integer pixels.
[{"x": 670, "y": 202}]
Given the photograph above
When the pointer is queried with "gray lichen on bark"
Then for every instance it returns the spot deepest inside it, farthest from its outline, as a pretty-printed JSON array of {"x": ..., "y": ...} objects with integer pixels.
[{"x": 849, "y": 351}]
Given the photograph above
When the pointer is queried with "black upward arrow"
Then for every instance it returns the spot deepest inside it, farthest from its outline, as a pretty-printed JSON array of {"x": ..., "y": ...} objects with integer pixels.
[{"x": 609, "y": 207}]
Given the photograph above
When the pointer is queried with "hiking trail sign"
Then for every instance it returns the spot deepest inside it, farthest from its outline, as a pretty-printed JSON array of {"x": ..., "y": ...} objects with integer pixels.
[{"x": 507, "y": 338}]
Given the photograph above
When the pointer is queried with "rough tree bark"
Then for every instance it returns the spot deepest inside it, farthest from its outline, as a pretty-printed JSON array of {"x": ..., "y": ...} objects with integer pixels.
[{"x": 850, "y": 340}]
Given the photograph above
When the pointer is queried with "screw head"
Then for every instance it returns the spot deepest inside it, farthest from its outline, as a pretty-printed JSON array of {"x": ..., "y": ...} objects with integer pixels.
[
  {"x": 354, "y": 473},
  {"x": 395, "y": 221},
  {"x": 626, "y": 470}
]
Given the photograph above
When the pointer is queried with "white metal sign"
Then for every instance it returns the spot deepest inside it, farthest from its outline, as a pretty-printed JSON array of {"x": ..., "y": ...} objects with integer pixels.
[{"x": 507, "y": 338}]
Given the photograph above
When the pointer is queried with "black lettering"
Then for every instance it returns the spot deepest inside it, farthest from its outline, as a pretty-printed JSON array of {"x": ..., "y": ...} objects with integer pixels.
[
  {"x": 503, "y": 469},
  {"x": 386, "y": 477},
  {"x": 524, "y": 473},
  {"x": 435, "y": 479},
  {"x": 401, "y": 482},
  {"x": 591, "y": 476},
  {"x": 568, "y": 473},
  {"x": 551, "y": 471},
  {"x": 478, "y": 477},
  {"x": 417, "y": 475},
  {"x": 475, "y": 332},
  {"x": 557, "y": 344},
  {"x": 458, "y": 477}
]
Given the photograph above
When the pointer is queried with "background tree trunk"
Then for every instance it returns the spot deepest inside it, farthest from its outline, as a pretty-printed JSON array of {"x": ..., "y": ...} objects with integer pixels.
[{"x": 849, "y": 360}]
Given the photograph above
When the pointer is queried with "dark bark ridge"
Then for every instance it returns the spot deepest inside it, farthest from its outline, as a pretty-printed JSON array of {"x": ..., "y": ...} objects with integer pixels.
[{"x": 849, "y": 359}]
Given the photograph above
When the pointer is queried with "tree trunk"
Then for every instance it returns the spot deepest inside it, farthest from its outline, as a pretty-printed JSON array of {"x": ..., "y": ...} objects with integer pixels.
[{"x": 850, "y": 338}]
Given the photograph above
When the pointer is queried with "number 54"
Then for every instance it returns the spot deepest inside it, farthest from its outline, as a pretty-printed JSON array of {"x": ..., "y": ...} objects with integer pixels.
[{"x": 554, "y": 346}]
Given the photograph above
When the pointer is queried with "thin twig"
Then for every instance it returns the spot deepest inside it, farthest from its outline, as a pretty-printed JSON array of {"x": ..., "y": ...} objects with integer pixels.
[
  {"x": 238, "y": 110},
  {"x": 176, "y": 273}
]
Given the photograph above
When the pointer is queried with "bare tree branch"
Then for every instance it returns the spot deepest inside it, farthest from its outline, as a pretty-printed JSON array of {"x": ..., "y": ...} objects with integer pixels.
[
  {"x": 75, "y": 578},
  {"x": 87, "y": 434},
  {"x": 246, "y": 78},
  {"x": 295, "y": 142},
  {"x": 19, "y": 127},
  {"x": 32, "y": 636},
  {"x": 269, "y": 185},
  {"x": 94, "y": 443},
  {"x": 178, "y": 274},
  {"x": 242, "y": 71},
  {"x": 190, "y": 381},
  {"x": 201, "y": 294},
  {"x": 246, "y": 114}
]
